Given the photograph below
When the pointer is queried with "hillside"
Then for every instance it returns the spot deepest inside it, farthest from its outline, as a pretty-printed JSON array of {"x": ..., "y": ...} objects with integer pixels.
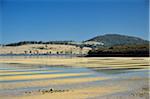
[
  {"x": 47, "y": 49},
  {"x": 105, "y": 45},
  {"x": 117, "y": 39},
  {"x": 139, "y": 50}
]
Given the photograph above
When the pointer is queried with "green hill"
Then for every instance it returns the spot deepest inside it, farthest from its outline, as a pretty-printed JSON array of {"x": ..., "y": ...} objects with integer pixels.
[{"x": 117, "y": 39}]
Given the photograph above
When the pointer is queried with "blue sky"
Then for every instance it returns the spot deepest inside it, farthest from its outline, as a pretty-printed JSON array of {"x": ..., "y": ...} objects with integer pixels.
[{"x": 71, "y": 19}]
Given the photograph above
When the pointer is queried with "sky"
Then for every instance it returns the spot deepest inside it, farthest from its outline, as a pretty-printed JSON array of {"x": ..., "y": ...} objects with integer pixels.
[{"x": 45, "y": 20}]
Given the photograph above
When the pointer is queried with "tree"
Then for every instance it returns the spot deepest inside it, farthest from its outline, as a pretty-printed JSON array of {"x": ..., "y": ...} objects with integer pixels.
[
  {"x": 81, "y": 48},
  {"x": 57, "y": 52}
]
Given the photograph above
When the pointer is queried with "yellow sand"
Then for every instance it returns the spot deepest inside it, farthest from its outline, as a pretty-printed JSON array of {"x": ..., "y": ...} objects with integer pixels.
[
  {"x": 116, "y": 62},
  {"x": 19, "y": 72},
  {"x": 40, "y": 76},
  {"x": 82, "y": 93},
  {"x": 77, "y": 94},
  {"x": 51, "y": 82}
]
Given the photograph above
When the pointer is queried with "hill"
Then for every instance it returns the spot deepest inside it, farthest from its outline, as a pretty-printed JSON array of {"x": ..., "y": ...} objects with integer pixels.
[
  {"x": 104, "y": 45},
  {"x": 109, "y": 40},
  {"x": 42, "y": 49}
]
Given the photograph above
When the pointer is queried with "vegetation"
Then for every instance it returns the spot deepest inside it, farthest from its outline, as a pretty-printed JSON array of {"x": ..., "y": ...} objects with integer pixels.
[
  {"x": 105, "y": 45},
  {"x": 138, "y": 50},
  {"x": 115, "y": 39},
  {"x": 107, "y": 40},
  {"x": 39, "y": 42}
]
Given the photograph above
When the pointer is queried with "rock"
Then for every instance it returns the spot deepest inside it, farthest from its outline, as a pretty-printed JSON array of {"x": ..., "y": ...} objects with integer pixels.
[{"x": 51, "y": 89}]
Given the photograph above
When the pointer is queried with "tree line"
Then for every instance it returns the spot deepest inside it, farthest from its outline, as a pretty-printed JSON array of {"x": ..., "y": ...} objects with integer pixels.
[
  {"x": 139, "y": 50},
  {"x": 40, "y": 42}
]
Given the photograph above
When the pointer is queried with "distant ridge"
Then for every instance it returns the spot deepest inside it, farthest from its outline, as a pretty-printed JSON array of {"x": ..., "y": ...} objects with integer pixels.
[
  {"x": 117, "y": 39},
  {"x": 108, "y": 45},
  {"x": 106, "y": 40}
]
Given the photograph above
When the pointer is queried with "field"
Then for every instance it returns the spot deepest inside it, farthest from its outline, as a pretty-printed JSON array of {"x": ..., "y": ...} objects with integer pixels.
[
  {"x": 45, "y": 77},
  {"x": 43, "y": 49}
]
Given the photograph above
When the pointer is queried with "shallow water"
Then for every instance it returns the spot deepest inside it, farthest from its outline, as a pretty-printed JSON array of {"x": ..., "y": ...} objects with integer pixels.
[{"x": 121, "y": 77}]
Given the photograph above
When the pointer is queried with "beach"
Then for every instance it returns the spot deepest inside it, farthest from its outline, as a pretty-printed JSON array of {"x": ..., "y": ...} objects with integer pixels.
[
  {"x": 43, "y": 77},
  {"x": 74, "y": 49}
]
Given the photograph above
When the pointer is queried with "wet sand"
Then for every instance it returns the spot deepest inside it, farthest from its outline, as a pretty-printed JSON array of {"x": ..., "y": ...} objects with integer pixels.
[
  {"x": 115, "y": 62},
  {"x": 74, "y": 78}
]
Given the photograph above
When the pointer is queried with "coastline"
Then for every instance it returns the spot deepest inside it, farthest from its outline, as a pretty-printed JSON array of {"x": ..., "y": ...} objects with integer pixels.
[
  {"x": 106, "y": 65},
  {"x": 77, "y": 61}
]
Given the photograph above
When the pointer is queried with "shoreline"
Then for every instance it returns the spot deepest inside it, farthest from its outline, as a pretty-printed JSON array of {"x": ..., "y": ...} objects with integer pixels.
[
  {"x": 82, "y": 55},
  {"x": 110, "y": 89},
  {"x": 88, "y": 62}
]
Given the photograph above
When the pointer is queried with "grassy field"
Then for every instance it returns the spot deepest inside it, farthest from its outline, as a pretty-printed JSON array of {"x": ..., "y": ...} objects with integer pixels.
[{"x": 43, "y": 49}]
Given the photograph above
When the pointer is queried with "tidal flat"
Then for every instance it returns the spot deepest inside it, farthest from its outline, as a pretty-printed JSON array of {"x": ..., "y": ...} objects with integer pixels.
[{"x": 46, "y": 77}]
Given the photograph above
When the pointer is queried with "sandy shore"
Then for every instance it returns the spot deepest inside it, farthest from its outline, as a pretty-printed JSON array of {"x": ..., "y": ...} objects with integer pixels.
[
  {"x": 78, "y": 93},
  {"x": 115, "y": 62},
  {"x": 52, "y": 82},
  {"x": 88, "y": 87}
]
